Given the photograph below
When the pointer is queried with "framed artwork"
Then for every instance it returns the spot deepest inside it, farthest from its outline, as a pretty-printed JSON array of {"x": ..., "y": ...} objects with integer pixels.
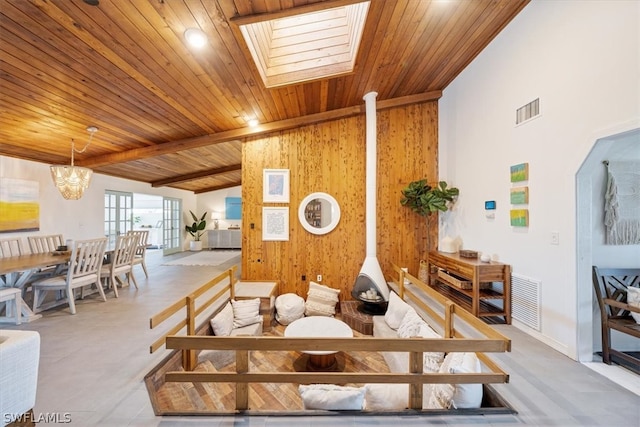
[
  {"x": 233, "y": 208},
  {"x": 275, "y": 185},
  {"x": 275, "y": 223},
  {"x": 19, "y": 205},
  {"x": 520, "y": 195},
  {"x": 520, "y": 172},
  {"x": 519, "y": 217}
]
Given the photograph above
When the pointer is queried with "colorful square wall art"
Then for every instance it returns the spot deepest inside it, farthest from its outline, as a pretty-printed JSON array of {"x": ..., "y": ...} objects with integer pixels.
[
  {"x": 19, "y": 206},
  {"x": 520, "y": 172},
  {"x": 520, "y": 195},
  {"x": 519, "y": 217}
]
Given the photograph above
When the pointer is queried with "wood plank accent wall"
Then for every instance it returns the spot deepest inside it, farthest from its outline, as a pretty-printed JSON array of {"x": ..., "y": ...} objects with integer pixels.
[{"x": 330, "y": 157}]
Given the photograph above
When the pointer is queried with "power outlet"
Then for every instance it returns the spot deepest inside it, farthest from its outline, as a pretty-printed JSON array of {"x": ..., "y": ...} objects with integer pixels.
[
  {"x": 555, "y": 238},
  {"x": 319, "y": 278}
]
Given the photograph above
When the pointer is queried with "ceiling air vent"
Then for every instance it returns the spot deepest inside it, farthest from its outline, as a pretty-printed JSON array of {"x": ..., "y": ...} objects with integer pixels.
[{"x": 528, "y": 112}]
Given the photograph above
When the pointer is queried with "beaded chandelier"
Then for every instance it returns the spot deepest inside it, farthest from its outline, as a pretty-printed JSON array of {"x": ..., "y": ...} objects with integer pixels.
[{"x": 72, "y": 180}]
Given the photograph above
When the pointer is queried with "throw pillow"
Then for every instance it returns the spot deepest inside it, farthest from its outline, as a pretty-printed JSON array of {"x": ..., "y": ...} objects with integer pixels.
[
  {"x": 332, "y": 397},
  {"x": 633, "y": 299},
  {"x": 222, "y": 323},
  {"x": 386, "y": 397},
  {"x": 246, "y": 312},
  {"x": 289, "y": 307},
  {"x": 396, "y": 310},
  {"x": 410, "y": 324},
  {"x": 321, "y": 300},
  {"x": 432, "y": 359},
  {"x": 446, "y": 396}
]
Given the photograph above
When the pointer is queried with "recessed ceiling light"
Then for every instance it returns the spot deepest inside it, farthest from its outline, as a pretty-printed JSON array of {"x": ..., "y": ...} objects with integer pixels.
[
  {"x": 253, "y": 123},
  {"x": 195, "y": 37}
]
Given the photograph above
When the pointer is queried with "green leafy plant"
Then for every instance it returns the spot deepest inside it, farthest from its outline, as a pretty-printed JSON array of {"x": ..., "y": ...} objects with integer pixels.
[
  {"x": 424, "y": 199},
  {"x": 197, "y": 228}
]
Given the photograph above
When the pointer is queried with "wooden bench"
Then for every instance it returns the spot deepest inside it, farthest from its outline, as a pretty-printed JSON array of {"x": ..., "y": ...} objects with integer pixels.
[{"x": 611, "y": 290}]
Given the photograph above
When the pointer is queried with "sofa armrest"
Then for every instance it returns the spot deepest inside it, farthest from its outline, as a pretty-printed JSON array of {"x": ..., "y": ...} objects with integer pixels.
[{"x": 19, "y": 361}]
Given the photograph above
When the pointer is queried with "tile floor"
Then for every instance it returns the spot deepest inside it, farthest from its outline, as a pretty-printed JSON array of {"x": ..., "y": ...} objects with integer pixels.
[{"x": 92, "y": 367}]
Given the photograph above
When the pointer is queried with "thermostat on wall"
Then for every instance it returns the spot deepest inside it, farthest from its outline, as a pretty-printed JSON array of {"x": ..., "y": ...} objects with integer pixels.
[{"x": 490, "y": 205}]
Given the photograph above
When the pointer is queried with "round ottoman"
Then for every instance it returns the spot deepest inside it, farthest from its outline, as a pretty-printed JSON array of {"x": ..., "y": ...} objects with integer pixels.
[{"x": 289, "y": 307}]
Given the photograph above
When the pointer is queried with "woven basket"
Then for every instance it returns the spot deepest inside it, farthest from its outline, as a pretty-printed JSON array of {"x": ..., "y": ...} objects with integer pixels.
[{"x": 423, "y": 272}]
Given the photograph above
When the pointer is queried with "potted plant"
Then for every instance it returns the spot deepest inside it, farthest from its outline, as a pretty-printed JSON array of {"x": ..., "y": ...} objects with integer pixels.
[
  {"x": 424, "y": 199},
  {"x": 196, "y": 230}
]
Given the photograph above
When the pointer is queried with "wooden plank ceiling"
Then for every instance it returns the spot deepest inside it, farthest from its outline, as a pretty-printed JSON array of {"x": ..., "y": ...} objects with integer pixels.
[{"x": 172, "y": 115}]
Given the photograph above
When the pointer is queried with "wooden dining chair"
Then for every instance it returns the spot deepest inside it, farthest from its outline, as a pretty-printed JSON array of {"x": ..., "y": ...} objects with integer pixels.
[
  {"x": 141, "y": 251},
  {"x": 84, "y": 269},
  {"x": 45, "y": 243},
  {"x": 11, "y": 247},
  {"x": 121, "y": 263},
  {"x": 42, "y": 245}
]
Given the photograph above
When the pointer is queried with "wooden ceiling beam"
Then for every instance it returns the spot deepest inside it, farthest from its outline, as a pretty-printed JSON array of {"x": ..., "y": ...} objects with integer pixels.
[
  {"x": 195, "y": 175},
  {"x": 218, "y": 187},
  {"x": 234, "y": 134}
]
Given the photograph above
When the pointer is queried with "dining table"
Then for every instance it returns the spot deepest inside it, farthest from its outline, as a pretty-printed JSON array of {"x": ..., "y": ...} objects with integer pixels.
[{"x": 15, "y": 272}]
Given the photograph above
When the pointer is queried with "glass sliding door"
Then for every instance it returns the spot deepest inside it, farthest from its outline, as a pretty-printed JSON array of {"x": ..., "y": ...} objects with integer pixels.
[
  {"x": 172, "y": 230},
  {"x": 118, "y": 214}
]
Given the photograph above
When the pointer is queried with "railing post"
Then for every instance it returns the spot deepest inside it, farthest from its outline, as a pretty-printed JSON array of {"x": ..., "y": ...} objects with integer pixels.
[
  {"x": 401, "y": 285},
  {"x": 189, "y": 356},
  {"x": 415, "y": 390},
  {"x": 232, "y": 285},
  {"x": 242, "y": 389},
  {"x": 449, "y": 308}
]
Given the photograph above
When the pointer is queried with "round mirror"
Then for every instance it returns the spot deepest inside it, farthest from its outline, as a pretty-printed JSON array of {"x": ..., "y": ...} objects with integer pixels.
[{"x": 319, "y": 213}]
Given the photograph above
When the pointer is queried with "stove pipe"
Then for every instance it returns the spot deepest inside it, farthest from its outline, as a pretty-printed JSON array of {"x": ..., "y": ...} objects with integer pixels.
[{"x": 371, "y": 275}]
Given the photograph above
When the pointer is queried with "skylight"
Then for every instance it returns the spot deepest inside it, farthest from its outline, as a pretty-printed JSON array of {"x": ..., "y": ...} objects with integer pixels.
[{"x": 307, "y": 46}]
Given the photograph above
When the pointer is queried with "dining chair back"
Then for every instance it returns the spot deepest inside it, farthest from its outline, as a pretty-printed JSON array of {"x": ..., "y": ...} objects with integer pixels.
[
  {"x": 86, "y": 261},
  {"x": 121, "y": 262},
  {"x": 141, "y": 251},
  {"x": 11, "y": 247},
  {"x": 45, "y": 243}
]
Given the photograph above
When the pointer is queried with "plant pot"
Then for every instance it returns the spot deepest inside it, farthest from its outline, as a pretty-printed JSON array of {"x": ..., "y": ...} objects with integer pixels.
[{"x": 195, "y": 246}]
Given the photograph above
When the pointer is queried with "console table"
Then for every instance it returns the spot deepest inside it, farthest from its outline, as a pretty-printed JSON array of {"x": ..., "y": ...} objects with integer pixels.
[
  {"x": 224, "y": 239},
  {"x": 483, "y": 298}
]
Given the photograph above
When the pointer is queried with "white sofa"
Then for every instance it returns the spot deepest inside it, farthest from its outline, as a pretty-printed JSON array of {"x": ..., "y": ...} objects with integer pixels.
[
  {"x": 19, "y": 359},
  {"x": 401, "y": 320}
]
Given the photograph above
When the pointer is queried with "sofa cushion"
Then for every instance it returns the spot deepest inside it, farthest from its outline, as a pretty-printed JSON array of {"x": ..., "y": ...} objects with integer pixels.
[
  {"x": 289, "y": 307},
  {"x": 396, "y": 310},
  {"x": 321, "y": 300},
  {"x": 222, "y": 323},
  {"x": 246, "y": 312},
  {"x": 254, "y": 329},
  {"x": 386, "y": 397},
  {"x": 445, "y": 396},
  {"x": 332, "y": 397}
]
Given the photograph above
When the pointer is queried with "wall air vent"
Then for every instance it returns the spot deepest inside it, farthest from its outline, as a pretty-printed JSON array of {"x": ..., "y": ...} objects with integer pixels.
[
  {"x": 525, "y": 300},
  {"x": 528, "y": 112}
]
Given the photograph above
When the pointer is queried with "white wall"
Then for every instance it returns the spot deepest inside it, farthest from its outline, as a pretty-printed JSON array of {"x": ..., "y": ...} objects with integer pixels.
[
  {"x": 581, "y": 59},
  {"x": 84, "y": 218},
  {"x": 215, "y": 201}
]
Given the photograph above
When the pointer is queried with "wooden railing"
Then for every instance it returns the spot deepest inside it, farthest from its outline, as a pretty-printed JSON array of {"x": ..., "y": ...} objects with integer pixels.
[
  {"x": 193, "y": 307},
  {"x": 453, "y": 341},
  {"x": 450, "y": 308}
]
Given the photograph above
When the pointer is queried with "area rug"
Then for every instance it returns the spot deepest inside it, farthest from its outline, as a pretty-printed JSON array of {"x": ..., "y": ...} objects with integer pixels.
[{"x": 209, "y": 258}]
